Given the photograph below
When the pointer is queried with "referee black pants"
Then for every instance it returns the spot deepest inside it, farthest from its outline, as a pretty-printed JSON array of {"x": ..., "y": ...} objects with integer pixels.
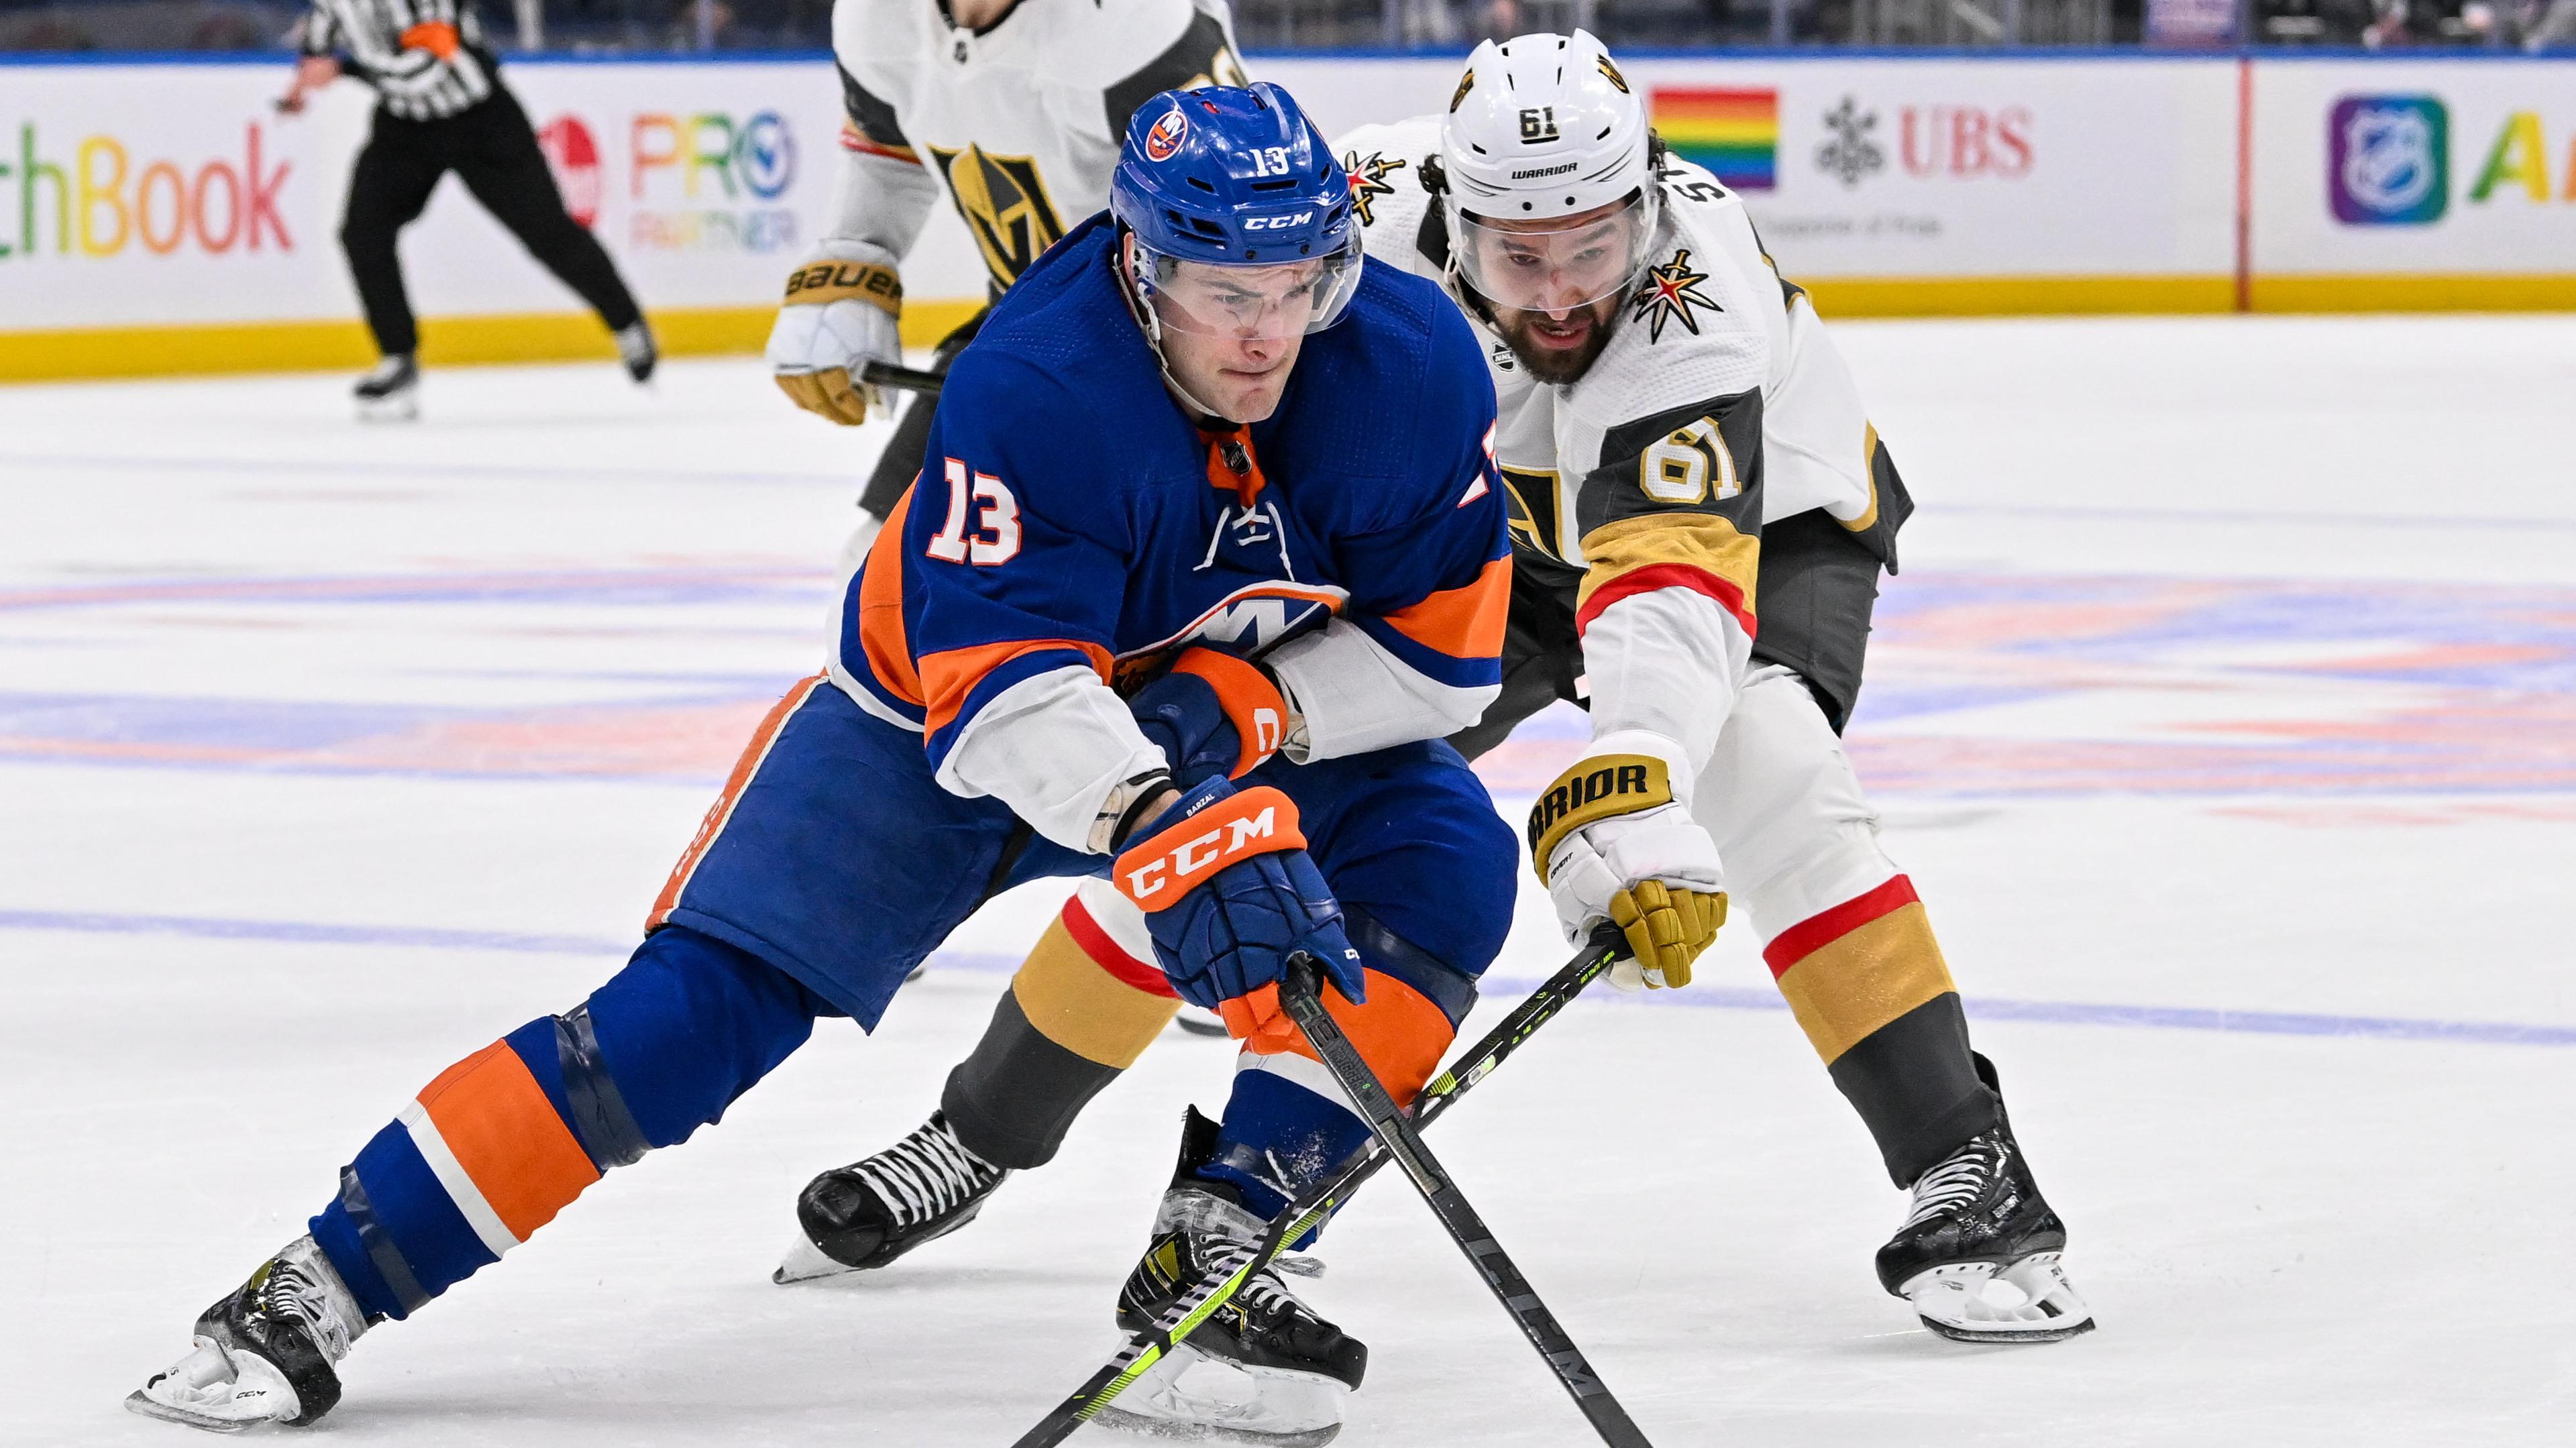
[{"x": 494, "y": 150}]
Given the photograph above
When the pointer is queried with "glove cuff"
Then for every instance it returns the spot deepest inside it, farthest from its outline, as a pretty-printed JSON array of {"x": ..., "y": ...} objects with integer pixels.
[
  {"x": 1251, "y": 701},
  {"x": 1213, "y": 826},
  {"x": 848, "y": 271},
  {"x": 1679, "y": 769},
  {"x": 1597, "y": 787}
]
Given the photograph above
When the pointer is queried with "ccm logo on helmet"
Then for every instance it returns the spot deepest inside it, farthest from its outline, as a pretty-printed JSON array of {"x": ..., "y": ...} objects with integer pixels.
[
  {"x": 1277, "y": 223},
  {"x": 1162, "y": 142}
]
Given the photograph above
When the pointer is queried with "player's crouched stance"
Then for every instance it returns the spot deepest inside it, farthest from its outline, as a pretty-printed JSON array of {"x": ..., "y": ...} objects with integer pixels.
[
  {"x": 1682, "y": 441},
  {"x": 1122, "y": 464}
]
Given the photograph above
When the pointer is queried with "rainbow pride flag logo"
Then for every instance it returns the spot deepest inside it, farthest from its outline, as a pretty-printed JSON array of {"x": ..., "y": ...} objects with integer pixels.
[{"x": 1734, "y": 133}]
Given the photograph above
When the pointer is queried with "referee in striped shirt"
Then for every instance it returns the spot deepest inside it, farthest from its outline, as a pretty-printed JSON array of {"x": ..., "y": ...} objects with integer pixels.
[{"x": 441, "y": 107}]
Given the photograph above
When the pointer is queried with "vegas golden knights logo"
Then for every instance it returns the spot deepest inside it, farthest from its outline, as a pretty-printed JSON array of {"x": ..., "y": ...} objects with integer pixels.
[
  {"x": 1530, "y": 499},
  {"x": 1005, "y": 206}
]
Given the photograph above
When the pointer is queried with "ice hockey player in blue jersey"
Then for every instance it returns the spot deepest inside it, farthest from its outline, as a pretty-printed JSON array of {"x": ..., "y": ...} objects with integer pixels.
[{"x": 1207, "y": 556}]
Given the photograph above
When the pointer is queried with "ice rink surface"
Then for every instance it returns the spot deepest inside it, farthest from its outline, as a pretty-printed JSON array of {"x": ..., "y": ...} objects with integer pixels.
[{"x": 2225, "y": 716}]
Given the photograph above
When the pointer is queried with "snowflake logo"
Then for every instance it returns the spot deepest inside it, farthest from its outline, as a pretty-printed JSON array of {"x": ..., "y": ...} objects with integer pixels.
[
  {"x": 1670, "y": 292},
  {"x": 1849, "y": 154}
]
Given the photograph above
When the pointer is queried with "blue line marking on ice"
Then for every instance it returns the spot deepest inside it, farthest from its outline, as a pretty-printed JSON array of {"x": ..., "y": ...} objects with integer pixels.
[
  {"x": 306, "y": 932},
  {"x": 1702, "y": 997}
]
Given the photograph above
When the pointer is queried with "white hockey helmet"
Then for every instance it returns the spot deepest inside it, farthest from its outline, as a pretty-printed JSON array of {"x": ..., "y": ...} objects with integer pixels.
[{"x": 1552, "y": 197}]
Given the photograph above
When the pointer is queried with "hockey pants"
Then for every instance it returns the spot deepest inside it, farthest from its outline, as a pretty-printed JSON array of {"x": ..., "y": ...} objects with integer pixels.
[
  {"x": 830, "y": 865},
  {"x": 1845, "y": 937}
]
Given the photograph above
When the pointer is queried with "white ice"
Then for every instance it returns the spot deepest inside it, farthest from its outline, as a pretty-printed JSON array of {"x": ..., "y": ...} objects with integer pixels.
[{"x": 2225, "y": 715}]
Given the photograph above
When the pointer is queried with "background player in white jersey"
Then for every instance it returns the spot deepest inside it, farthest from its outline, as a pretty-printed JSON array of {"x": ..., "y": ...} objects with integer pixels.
[
  {"x": 1015, "y": 109},
  {"x": 1677, "y": 435}
]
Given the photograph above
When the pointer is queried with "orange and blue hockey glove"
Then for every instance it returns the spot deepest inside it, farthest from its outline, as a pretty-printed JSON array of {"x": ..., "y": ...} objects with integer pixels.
[{"x": 1229, "y": 895}]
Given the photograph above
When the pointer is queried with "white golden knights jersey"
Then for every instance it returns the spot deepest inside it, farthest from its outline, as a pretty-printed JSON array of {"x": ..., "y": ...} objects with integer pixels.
[
  {"x": 1020, "y": 123},
  {"x": 1641, "y": 489}
]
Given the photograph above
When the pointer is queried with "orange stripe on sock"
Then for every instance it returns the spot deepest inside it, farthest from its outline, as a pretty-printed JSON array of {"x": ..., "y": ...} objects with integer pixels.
[
  {"x": 499, "y": 1125},
  {"x": 1398, "y": 1030},
  {"x": 720, "y": 813}
]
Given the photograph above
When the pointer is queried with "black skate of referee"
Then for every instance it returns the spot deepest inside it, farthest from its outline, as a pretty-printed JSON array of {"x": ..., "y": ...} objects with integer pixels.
[{"x": 441, "y": 107}]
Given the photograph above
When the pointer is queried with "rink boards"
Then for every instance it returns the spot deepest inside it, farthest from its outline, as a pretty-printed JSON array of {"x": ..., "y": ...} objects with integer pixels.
[{"x": 158, "y": 216}]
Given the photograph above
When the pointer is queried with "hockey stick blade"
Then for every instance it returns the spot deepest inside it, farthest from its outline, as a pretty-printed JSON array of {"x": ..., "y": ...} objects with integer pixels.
[
  {"x": 1227, "y": 1275},
  {"x": 1302, "y": 996},
  {"x": 902, "y": 379}
]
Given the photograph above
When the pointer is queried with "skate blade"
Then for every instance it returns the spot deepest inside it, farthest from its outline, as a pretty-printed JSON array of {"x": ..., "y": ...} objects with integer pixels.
[
  {"x": 136, "y": 1402},
  {"x": 213, "y": 1390},
  {"x": 805, "y": 1262},
  {"x": 2038, "y": 1303},
  {"x": 405, "y": 408},
  {"x": 1191, "y": 1397}
]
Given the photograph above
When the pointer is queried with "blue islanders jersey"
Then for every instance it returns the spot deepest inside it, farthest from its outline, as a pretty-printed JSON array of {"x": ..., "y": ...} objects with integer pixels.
[{"x": 1068, "y": 511}]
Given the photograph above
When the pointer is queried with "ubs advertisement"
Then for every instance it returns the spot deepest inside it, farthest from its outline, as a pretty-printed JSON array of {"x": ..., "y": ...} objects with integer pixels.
[{"x": 1939, "y": 168}]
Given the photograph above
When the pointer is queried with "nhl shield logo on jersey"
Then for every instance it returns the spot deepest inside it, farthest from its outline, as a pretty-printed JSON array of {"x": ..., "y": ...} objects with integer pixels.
[
  {"x": 1671, "y": 290},
  {"x": 1164, "y": 141},
  {"x": 1368, "y": 180}
]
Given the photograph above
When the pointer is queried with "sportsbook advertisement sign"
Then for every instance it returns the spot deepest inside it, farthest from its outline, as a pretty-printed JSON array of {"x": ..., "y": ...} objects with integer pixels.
[
  {"x": 2421, "y": 169},
  {"x": 168, "y": 194}
]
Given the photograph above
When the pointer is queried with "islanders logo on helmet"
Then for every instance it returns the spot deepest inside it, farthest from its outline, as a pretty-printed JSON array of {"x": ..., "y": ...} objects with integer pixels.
[{"x": 1164, "y": 140}]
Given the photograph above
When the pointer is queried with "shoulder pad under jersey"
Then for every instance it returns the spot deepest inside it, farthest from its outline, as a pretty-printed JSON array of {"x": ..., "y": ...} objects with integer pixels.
[{"x": 1399, "y": 221}]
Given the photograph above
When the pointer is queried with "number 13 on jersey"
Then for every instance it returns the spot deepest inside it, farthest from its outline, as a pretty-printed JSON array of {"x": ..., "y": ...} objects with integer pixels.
[{"x": 983, "y": 526}]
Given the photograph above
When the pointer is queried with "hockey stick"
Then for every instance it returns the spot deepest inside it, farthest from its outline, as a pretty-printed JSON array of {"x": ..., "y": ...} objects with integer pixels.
[
  {"x": 903, "y": 379},
  {"x": 1302, "y": 995},
  {"x": 1226, "y": 1276}
]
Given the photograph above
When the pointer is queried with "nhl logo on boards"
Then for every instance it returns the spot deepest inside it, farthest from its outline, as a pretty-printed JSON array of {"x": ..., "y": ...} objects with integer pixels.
[{"x": 1164, "y": 140}]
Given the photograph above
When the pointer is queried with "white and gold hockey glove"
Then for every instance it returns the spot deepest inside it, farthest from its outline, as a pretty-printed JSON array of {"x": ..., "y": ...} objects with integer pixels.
[
  {"x": 1611, "y": 842},
  {"x": 841, "y": 313}
]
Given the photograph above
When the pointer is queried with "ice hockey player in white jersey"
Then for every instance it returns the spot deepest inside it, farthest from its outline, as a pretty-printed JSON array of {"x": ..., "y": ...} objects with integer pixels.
[
  {"x": 1015, "y": 109},
  {"x": 1679, "y": 435},
  {"x": 1680, "y": 441}
]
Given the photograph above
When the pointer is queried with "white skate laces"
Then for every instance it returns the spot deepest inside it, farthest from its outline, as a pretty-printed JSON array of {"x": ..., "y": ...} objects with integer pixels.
[
  {"x": 1953, "y": 1184},
  {"x": 926, "y": 1175}
]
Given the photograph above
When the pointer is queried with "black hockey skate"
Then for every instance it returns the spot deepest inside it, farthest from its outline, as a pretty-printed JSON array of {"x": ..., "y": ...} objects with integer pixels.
[
  {"x": 635, "y": 348},
  {"x": 264, "y": 1354},
  {"x": 868, "y": 1213},
  {"x": 1978, "y": 1257},
  {"x": 390, "y": 393},
  {"x": 1264, "y": 1368}
]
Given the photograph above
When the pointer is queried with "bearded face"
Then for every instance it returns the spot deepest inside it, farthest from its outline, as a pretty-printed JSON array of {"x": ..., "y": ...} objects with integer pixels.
[
  {"x": 1558, "y": 347},
  {"x": 1553, "y": 286}
]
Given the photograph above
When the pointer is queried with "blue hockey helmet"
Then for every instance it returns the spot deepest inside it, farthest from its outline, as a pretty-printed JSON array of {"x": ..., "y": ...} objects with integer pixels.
[{"x": 1236, "y": 178}]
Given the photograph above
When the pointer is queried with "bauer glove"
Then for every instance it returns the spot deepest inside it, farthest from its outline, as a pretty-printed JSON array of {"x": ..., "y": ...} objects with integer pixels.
[
  {"x": 1229, "y": 895},
  {"x": 1611, "y": 842},
  {"x": 1214, "y": 715},
  {"x": 839, "y": 316}
]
